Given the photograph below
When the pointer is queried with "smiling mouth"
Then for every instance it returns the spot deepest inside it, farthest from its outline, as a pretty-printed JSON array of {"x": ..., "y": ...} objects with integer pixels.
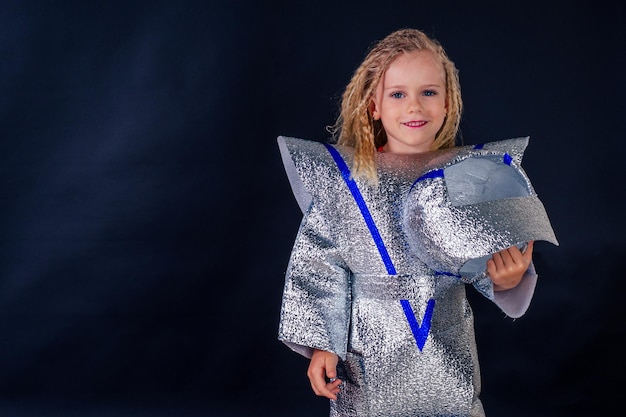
[{"x": 415, "y": 124}]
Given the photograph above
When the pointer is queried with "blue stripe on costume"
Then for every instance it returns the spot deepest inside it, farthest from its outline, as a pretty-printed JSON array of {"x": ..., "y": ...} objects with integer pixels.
[
  {"x": 354, "y": 189},
  {"x": 420, "y": 333},
  {"x": 437, "y": 173}
]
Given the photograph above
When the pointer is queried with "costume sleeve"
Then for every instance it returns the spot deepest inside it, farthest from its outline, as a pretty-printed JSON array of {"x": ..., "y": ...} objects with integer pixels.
[
  {"x": 513, "y": 302},
  {"x": 315, "y": 309},
  {"x": 316, "y": 298}
]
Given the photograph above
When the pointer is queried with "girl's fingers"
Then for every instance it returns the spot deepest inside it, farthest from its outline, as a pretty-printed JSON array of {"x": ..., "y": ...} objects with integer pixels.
[{"x": 497, "y": 260}]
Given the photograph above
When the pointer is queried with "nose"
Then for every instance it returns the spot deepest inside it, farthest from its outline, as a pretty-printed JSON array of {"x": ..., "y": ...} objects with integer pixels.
[{"x": 414, "y": 106}]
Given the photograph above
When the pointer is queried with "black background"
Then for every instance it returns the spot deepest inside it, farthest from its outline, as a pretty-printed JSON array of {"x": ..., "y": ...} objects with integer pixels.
[{"x": 146, "y": 220}]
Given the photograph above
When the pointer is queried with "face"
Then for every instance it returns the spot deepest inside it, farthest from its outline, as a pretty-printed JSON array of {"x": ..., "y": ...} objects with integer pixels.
[{"x": 411, "y": 102}]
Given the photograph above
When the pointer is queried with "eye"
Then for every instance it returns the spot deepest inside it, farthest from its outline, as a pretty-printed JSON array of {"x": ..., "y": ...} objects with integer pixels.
[
  {"x": 430, "y": 93},
  {"x": 397, "y": 94}
]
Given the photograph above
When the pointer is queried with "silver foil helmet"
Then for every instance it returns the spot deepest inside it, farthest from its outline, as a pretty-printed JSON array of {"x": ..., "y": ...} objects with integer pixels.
[{"x": 458, "y": 214}]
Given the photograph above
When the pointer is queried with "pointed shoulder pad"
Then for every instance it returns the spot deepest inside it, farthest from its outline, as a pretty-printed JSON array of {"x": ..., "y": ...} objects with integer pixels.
[{"x": 309, "y": 166}]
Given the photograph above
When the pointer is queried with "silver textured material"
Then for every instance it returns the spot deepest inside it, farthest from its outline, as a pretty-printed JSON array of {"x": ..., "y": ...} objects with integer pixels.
[
  {"x": 339, "y": 295},
  {"x": 480, "y": 202}
]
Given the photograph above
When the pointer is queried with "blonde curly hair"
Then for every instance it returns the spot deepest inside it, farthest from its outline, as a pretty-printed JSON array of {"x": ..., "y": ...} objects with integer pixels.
[{"x": 355, "y": 126}]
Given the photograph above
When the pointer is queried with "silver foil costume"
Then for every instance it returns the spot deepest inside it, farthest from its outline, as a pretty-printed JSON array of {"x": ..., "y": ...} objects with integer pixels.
[{"x": 378, "y": 273}]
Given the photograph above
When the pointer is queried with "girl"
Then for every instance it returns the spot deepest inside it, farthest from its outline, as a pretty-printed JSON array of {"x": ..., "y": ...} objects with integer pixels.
[{"x": 386, "y": 334}]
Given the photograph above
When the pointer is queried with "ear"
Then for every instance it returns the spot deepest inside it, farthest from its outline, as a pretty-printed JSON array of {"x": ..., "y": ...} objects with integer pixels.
[{"x": 373, "y": 109}]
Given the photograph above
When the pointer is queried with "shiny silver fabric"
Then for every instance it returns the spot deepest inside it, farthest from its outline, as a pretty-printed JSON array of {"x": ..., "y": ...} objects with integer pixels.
[
  {"x": 481, "y": 201},
  {"x": 340, "y": 296}
]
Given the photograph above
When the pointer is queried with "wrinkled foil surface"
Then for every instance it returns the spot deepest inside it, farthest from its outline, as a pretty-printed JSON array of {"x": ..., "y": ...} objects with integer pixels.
[{"x": 340, "y": 297}]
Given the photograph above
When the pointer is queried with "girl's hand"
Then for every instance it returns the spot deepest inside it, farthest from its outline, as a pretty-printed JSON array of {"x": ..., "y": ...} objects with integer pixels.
[
  {"x": 507, "y": 267},
  {"x": 324, "y": 365}
]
